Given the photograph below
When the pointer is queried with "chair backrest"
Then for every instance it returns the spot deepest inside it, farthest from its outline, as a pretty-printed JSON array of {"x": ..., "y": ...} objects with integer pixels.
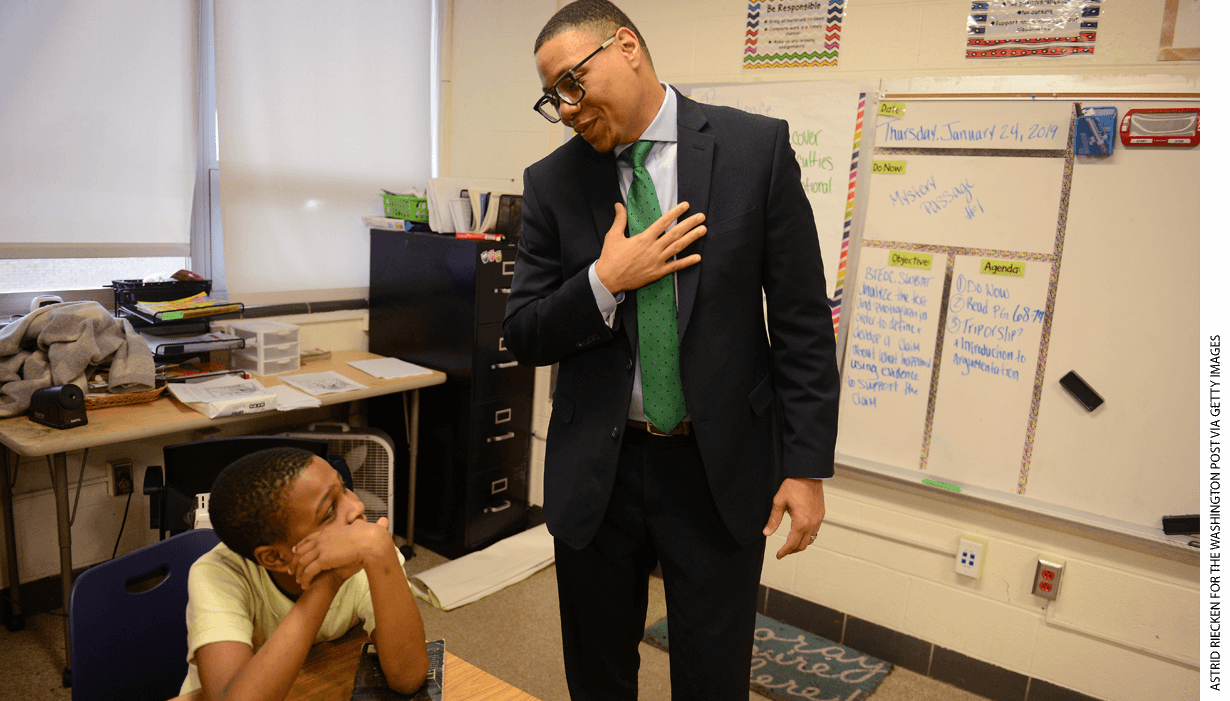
[
  {"x": 133, "y": 645},
  {"x": 190, "y": 469}
]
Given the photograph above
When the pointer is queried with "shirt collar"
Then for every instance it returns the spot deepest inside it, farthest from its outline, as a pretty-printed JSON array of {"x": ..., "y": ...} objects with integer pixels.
[{"x": 665, "y": 126}]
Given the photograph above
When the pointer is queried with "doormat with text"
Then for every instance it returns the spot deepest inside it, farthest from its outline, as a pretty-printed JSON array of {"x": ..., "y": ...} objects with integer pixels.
[{"x": 790, "y": 663}]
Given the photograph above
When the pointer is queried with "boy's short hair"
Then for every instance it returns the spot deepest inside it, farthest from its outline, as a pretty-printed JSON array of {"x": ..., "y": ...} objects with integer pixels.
[
  {"x": 247, "y": 498},
  {"x": 598, "y": 17}
]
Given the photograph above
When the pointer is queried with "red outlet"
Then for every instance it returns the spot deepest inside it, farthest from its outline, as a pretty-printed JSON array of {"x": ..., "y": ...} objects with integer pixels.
[{"x": 1047, "y": 577}]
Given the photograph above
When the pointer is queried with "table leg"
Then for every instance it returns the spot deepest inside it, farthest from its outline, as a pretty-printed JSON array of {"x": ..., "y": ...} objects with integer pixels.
[
  {"x": 13, "y": 618},
  {"x": 413, "y": 441},
  {"x": 59, "y": 481}
]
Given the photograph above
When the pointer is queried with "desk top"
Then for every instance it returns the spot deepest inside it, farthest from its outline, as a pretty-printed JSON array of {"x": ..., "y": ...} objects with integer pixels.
[
  {"x": 328, "y": 675},
  {"x": 166, "y": 415}
]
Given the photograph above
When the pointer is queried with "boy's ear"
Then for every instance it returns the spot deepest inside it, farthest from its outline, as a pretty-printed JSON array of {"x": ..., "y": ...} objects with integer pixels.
[{"x": 270, "y": 557}]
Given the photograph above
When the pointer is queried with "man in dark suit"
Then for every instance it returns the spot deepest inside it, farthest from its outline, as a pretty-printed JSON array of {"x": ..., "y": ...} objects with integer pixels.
[{"x": 634, "y": 476}]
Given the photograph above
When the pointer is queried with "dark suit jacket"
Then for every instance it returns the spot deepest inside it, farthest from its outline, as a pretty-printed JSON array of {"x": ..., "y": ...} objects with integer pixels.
[{"x": 760, "y": 411}]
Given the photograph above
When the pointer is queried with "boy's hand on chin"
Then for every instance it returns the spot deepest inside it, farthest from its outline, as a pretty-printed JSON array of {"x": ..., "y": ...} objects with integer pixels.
[{"x": 341, "y": 549}]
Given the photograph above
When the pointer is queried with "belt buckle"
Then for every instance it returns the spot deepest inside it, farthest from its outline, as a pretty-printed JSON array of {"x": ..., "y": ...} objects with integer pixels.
[{"x": 653, "y": 430}]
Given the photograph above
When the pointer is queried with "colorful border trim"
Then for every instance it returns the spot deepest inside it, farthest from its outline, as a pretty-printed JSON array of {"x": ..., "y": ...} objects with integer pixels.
[
  {"x": 1025, "y": 52},
  {"x": 840, "y": 284}
]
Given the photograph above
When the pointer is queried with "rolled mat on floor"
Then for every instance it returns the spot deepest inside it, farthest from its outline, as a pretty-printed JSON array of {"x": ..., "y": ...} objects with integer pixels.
[
  {"x": 471, "y": 577},
  {"x": 790, "y": 663}
]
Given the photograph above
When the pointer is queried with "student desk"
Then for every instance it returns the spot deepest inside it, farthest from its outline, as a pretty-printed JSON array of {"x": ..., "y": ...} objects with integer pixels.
[
  {"x": 160, "y": 417},
  {"x": 328, "y": 675}
]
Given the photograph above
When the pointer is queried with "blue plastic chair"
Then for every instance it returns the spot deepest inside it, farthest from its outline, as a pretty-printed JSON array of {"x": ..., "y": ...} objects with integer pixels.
[{"x": 133, "y": 645}]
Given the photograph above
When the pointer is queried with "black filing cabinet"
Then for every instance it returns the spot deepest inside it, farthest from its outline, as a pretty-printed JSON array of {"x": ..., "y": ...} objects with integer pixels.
[{"x": 439, "y": 301}]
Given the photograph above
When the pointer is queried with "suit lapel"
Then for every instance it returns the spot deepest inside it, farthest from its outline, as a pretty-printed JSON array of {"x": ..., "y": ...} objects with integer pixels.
[
  {"x": 600, "y": 180},
  {"x": 695, "y": 156}
]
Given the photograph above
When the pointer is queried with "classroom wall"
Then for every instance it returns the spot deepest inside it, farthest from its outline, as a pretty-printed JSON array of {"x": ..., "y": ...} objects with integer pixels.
[{"x": 1124, "y": 626}]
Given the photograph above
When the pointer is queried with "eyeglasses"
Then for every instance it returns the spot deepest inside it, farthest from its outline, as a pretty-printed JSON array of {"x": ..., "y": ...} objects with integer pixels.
[{"x": 566, "y": 89}]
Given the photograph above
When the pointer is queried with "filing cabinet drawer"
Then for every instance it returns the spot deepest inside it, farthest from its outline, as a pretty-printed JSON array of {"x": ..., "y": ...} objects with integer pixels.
[
  {"x": 496, "y": 371},
  {"x": 495, "y": 501},
  {"x": 493, "y": 280},
  {"x": 500, "y": 432}
]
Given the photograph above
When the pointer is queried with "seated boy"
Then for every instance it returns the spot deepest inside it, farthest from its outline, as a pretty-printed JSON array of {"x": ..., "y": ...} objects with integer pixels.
[{"x": 298, "y": 564}]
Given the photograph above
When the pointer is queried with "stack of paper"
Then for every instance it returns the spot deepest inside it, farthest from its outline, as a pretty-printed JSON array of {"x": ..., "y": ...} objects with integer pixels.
[
  {"x": 183, "y": 344},
  {"x": 290, "y": 398},
  {"x": 195, "y": 306},
  {"x": 389, "y": 368},
  {"x": 225, "y": 396},
  {"x": 318, "y": 383}
]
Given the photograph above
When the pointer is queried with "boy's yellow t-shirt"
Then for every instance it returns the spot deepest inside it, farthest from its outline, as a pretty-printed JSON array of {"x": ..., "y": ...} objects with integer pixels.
[{"x": 232, "y": 599}]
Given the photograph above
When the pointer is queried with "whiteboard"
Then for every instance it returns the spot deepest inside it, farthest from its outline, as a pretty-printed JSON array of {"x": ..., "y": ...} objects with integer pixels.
[{"x": 1108, "y": 287}]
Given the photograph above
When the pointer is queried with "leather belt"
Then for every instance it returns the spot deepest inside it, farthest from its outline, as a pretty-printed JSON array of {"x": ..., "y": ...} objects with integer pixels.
[{"x": 683, "y": 429}]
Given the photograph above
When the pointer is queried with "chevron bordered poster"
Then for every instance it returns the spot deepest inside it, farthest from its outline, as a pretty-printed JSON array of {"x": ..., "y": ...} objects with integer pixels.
[{"x": 792, "y": 33}]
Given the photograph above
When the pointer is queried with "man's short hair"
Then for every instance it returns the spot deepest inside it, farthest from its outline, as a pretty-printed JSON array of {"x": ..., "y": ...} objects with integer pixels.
[
  {"x": 247, "y": 500},
  {"x": 598, "y": 17}
]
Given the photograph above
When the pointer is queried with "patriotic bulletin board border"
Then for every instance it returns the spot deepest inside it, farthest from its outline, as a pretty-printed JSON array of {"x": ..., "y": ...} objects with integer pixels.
[
  {"x": 1032, "y": 28},
  {"x": 792, "y": 33}
]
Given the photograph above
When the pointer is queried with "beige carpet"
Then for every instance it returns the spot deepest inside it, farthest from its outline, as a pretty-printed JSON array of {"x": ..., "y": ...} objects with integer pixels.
[{"x": 513, "y": 634}]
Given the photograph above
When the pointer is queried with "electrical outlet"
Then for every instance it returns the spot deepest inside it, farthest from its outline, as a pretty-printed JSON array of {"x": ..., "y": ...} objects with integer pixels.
[
  {"x": 119, "y": 477},
  {"x": 971, "y": 555},
  {"x": 1047, "y": 578}
]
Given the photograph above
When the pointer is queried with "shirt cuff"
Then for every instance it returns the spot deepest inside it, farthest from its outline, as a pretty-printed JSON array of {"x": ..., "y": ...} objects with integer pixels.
[{"x": 607, "y": 303}]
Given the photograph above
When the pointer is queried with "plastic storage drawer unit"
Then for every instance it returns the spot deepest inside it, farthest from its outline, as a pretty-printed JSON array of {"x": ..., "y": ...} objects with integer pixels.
[{"x": 271, "y": 347}]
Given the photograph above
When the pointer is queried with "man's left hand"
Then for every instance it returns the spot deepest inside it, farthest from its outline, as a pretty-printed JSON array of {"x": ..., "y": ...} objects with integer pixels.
[{"x": 803, "y": 499}]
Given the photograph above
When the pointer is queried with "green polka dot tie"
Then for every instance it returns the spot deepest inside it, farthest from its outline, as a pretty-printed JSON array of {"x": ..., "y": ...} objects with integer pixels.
[{"x": 656, "y": 319}]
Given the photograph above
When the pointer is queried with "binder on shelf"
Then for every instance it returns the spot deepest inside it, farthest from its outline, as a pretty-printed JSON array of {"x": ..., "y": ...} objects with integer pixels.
[{"x": 508, "y": 220}]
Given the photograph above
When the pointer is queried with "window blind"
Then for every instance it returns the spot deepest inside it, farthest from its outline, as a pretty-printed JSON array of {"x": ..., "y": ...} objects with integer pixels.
[
  {"x": 97, "y": 128},
  {"x": 321, "y": 105}
]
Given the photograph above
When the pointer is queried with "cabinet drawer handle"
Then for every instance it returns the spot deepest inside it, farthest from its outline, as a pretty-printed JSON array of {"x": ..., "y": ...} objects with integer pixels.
[
  {"x": 501, "y": 366},
  {"x": 502, "y": 290},
  {"x": 498, "y": 509},
  {"x": 497, "y": 439}
]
